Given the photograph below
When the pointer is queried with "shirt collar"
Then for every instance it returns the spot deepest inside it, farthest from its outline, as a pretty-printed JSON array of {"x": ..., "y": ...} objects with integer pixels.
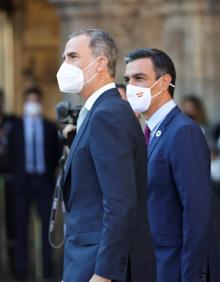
[
  {"x": 160, "y": 114},
  {"x": 91, "y": 100}
]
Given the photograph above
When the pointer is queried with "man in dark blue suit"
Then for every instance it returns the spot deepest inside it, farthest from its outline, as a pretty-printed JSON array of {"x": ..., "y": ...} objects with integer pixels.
[
  {"x": 107, "y": 234},
  {"x": 178, "y": 170},
  {"x": 34, "y": 151}
]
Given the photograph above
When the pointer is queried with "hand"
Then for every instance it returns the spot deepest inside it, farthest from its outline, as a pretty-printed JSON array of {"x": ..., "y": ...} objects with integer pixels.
[
  {"x": 96, "y": 278},
  {"x": 68, "y": 128}
]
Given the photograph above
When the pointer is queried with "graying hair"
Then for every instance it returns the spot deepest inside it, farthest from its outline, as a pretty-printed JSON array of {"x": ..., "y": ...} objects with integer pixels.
[{"x": 101, "y": 44}]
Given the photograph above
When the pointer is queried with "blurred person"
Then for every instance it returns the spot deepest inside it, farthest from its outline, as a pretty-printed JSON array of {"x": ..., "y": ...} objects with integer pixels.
[
  {"x": 178, "y": 170},
  {"x": 107, "y": 233},
  {"x": 6, "y": 123},
  {"x": 193, "y": 107},
  {"x": 34, "y": 149},
  {"x": 122, "y": 90}
]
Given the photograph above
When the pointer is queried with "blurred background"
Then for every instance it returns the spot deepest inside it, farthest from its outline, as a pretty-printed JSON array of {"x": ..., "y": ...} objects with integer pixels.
[{"x": 32, "y": 37}]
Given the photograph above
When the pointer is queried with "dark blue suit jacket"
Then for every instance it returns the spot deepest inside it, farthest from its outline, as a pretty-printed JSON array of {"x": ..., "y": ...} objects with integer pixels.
[
  {"x": 16, "y": 143},
  {"x": 179, "y": 196},
  {"x": 105, "y": 195}
]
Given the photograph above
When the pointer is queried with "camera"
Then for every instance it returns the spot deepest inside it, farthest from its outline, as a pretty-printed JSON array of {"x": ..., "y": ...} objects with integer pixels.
[
  {"x": 67, "y": 116},
  {"x": 66, "y": 113}
]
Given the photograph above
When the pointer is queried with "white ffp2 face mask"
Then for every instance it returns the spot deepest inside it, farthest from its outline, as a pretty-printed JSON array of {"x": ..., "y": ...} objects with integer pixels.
[
  {"x": 140, "y": 98},
  {"x": 71, "y": 78}
]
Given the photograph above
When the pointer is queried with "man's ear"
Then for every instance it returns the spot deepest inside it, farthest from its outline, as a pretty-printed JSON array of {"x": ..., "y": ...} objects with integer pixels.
[
  {"x": 166, "y": 80},
  {"x": 102, "y": 64}
]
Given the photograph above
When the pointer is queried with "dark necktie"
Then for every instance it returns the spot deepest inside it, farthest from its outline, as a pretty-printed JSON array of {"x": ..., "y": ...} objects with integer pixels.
[
  {"x": 34, "y": 147},
  {"x": 147, "y": 132}
]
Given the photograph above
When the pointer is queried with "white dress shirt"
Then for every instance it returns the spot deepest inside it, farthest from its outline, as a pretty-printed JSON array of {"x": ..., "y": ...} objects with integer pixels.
[
  {"x": 91, "y": 100},
  {"x": 156, "y": 119}
]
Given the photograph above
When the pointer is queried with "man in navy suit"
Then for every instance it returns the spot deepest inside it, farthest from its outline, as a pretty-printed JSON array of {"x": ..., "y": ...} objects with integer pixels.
[
  {"x": 107, "y": 234},
  {"x": 178, "y": 170},
  {"x": 34, "y": 151}
]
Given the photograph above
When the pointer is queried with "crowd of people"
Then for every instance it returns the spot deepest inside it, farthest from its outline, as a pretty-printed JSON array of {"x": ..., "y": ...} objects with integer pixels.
[{"x": 122, "y": 222}]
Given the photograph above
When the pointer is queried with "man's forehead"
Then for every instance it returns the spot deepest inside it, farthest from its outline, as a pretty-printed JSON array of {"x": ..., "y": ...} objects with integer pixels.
[
  {"x": 143, "y": 65},
  {"x": 77, "y": 43}
]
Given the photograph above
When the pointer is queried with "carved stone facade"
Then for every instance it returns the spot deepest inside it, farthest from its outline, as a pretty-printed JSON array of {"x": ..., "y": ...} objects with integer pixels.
[
  {"x": 188, "y": 30},
  {"x": 35, "y": 57}
]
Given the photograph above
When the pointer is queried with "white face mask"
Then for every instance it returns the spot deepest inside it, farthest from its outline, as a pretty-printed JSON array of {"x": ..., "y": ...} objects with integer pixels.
[
  {"x": 140, "y": 98},
  {"x": 32, "y": 108},
  {"x": 71, "y": 78}
]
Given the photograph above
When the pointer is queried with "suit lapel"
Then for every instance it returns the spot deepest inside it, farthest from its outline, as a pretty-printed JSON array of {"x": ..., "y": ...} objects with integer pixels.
[
  {"x": 82, "y": 128},
  {"x": 76, "y": 142},
  {"x": 161, "y": 129}
]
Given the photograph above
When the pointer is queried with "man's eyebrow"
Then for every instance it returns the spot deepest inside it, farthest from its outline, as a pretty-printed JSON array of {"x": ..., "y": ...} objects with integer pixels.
[
  {"x": 135, "y": 75},
  {"x": 69, "y": 53},
  {"x": 140, "y": 74}
]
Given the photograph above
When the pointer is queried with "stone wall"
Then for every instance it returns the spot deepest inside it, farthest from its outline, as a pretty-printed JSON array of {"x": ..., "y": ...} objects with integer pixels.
[
  {"x": 37, "y": 39},
  {"x": 188, "y": 30}
]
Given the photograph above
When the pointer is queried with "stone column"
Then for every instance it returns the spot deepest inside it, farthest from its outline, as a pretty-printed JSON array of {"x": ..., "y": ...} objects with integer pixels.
[{"x": 6, "y": 60}]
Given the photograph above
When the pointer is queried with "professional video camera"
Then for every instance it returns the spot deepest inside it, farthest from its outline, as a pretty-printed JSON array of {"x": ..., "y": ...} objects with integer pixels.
[
  {"x": 67, "y": 116},
  {"x": 66, "y": 113}
]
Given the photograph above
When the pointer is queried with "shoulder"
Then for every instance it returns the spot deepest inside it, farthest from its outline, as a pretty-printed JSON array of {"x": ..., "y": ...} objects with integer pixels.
[
  {"x": 182, "y": 122},
  {"x": 185, "y": 131},
  {"x": 113, "y": 104}
]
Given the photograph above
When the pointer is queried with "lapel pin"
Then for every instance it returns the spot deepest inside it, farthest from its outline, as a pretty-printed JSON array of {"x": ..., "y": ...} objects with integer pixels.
[{"x": 158, "y": 133}]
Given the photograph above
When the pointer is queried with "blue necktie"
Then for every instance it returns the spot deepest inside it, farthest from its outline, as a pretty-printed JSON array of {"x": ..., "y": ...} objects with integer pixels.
[{"x": 82, "y": 115}]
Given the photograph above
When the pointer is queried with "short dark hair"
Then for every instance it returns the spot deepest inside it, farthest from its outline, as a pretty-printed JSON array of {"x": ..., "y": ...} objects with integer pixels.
[
  {"x": 33, "y": 90},
  {"x": 101, "y": 43},
  {"x": 161, "y": 61}
]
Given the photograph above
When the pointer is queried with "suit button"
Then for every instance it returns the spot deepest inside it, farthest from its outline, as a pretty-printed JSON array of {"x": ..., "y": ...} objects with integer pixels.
[{"x": 203, "y": 277}]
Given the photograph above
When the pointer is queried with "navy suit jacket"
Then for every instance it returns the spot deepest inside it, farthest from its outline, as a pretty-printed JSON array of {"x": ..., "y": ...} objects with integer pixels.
[
  {"x": 179, "y": 194},
  {"x": 105, "y": 196},
  {"x": 16, "y": 143}
]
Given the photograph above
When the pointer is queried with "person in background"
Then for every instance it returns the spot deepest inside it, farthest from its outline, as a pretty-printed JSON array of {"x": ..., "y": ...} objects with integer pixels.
[
  {"x": 34, "y": 150},
  {"x": 179, "y": 184},
  {"x": 194, "y": 108},
  {"x": 6, "y": 123}
]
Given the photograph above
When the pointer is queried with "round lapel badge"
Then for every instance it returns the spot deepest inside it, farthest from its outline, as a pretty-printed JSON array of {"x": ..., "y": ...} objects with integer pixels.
[{"x": 158, "y": 133}]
